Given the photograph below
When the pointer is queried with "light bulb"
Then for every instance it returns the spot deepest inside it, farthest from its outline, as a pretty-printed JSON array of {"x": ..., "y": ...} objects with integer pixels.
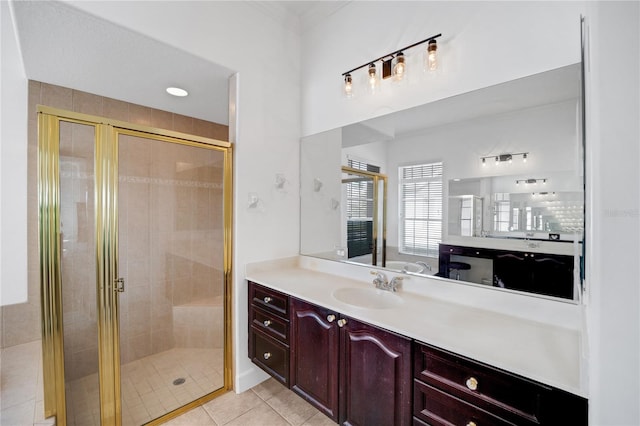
[
  {"x": 348, "y": 86},
  {"x": 484, "y": 162},
  {"x": 431, "y": 62},
  {"x": 524, "y": 157},
  {"x": 372, "y": 79},
  {"x": 400, "y": 68}
]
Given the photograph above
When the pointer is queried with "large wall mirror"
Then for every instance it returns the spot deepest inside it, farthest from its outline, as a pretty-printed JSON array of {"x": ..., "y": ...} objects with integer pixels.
[{"x": 486, "y": 188}]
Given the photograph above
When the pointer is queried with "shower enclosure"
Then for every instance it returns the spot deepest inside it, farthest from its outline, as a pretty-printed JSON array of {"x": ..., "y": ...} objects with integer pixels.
[{"x": 135, "y": 240}]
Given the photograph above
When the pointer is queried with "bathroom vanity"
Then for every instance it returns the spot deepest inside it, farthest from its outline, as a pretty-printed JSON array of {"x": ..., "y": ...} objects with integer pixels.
[{"x": 368, "y": 356}]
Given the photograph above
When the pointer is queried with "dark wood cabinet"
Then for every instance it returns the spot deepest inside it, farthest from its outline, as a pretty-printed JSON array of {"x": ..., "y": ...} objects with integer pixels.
[
  {"x": 450, "y": 389},
  {"x": 269, "y": 331},
  {"x": 359, "y": 374},
  {"x": 315, "y": 356},
  {"x": 355, "y": 373},
  {"x": 539, "y": 273},
  {"x": 375, "y": 376}
]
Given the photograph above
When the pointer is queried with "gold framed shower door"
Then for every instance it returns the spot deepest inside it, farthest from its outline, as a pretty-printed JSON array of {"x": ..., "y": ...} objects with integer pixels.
[{"x": 106, "y": 136}]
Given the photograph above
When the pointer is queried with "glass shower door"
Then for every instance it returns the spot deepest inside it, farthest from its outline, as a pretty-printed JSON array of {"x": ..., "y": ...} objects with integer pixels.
[
  {"x": 77, "y": 272},
  {"x": 134, "y": 240},
  {"x": 170, "y": 257}
]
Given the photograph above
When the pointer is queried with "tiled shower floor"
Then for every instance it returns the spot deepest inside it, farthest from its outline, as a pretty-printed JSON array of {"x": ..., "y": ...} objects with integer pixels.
[
  {"x": 147, "y": 386},
  {"x": 267, "y": 404}
]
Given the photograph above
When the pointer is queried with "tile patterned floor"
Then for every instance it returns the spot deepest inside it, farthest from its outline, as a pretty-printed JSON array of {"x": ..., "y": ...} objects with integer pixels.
[
  {"x": 267, "y": 404},
  {"x": 148, "y": 391}
]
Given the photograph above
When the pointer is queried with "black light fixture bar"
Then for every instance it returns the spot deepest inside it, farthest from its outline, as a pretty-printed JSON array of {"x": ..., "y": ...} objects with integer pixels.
[
  {"x": 505, "y": 157},
  {"x": 392, "y": 54},
  {"x": 531, "y": 180}
]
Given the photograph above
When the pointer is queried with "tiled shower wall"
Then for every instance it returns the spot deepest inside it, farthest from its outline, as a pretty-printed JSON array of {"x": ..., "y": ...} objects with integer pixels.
[{"x": 20, "y": 323}]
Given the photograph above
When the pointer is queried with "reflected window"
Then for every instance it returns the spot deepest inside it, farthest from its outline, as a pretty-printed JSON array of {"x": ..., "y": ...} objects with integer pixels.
[
  {"x": 420, "y": 193},
  {"x": 501, "y": 212},
  {"x": 360, "y": 211}
]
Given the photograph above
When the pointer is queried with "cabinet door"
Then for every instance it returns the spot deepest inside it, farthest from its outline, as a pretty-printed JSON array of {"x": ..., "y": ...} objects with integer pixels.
[
  {"x": 375, "y": 378},
  {"x": 512, "y": 270},
  {"x": 314, "y": 356},
  {"x": 553, "y": 275}
]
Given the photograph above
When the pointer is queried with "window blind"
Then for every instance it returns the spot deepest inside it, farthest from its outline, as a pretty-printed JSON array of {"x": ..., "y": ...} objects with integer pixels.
[{"x": 420, "y": 208}]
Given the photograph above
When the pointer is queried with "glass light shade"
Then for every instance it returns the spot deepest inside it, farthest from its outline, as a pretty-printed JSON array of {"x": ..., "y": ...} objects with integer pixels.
[
  {"x": 431, "y": 56},
  {"x": 400, "y": 68},
  {"x": 348, "y": 86},
  {"x": 373, "y": 81}
]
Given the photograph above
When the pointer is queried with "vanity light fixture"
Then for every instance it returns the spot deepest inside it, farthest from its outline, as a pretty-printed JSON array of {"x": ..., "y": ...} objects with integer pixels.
[
  {"x": 530, "y": 181},
  {"x": 396, "y": 70},
  {"x": 505, "y": 158},
  {"x": 176, "y": 91}
]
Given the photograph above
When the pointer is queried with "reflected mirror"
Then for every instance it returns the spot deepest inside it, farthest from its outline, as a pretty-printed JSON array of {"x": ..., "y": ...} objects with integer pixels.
[{"x": 486, "y": 187}]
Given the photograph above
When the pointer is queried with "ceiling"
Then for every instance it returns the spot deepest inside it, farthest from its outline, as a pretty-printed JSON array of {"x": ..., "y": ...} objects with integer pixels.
[{"x": 65, "y": 46}]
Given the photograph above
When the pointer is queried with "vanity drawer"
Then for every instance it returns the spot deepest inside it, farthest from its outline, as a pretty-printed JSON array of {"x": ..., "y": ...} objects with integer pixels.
[
  {"x": 509, "y": 396},
  {"x": 270, "y": 355},
  {"x": 436, "y": 408},
  {"x": 269, "y": 323},
  {"x": 268, "y": 299}
]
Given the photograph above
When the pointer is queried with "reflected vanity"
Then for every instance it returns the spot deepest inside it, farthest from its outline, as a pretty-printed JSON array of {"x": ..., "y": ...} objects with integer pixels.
[{"x": 510, "y": 185}]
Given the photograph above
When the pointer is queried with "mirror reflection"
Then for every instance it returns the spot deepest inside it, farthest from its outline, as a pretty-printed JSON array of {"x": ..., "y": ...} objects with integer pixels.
[{"x": 485, "y": 187}]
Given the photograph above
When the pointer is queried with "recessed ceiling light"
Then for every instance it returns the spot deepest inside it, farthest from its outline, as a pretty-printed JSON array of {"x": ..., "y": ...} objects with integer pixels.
[{"x": 176, "y": 91}]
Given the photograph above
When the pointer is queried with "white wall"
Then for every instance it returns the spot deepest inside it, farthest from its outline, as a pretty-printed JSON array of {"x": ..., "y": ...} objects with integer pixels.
[
  {"x": 266, "y": 56},
  {"x": 13, "y": 166},
  {"x": 613, "y": 192},
  {"x": 525, "y": 38}
]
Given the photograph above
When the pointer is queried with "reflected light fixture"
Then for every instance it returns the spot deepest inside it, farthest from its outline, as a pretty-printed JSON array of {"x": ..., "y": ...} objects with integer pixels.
[
  {"x": 530, "y": 181},
  {"x": 176, "y": 91},
  {"x": 504, "y": 158},
  {"x": 393, "y": 65}
]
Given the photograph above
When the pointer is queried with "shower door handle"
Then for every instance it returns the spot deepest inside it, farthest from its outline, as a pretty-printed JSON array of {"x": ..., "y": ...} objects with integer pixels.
[{"x": 119, "y": 285}]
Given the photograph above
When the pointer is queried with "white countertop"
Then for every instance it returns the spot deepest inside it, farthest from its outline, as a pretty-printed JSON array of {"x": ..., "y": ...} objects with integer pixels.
[{"x": 534, "y": 337}]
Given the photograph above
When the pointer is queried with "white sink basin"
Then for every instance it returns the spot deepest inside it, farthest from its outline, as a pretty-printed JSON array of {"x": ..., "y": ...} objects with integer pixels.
[{"x": 370, "y": 298}]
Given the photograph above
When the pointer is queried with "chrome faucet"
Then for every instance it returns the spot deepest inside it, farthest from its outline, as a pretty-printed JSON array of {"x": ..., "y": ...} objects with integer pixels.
[
  {"x": 424, "y": 265},
  {"x": 381, "y": 282}
]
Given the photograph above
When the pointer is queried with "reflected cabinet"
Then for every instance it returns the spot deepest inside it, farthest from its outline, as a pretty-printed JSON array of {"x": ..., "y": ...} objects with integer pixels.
[{"x": 540, "y": 273}]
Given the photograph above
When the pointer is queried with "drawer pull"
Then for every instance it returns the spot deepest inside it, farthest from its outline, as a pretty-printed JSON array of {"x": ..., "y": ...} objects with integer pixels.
[
  {"x": 472, "y": 383},
  {"x": 266, "y": 355},
  {"x": 342, "y": 322},
  {"x": 471, "y": 424},
  {"x": 267, "y": 299},
  {"x": 331, "y": 318},
  {"x": 266, "y": 323}
]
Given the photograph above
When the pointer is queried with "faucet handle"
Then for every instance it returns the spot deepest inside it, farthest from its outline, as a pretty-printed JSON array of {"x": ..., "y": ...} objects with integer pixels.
[
  {"x": 395, "y": 283},
  {"x": 380, "y": 281}
]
